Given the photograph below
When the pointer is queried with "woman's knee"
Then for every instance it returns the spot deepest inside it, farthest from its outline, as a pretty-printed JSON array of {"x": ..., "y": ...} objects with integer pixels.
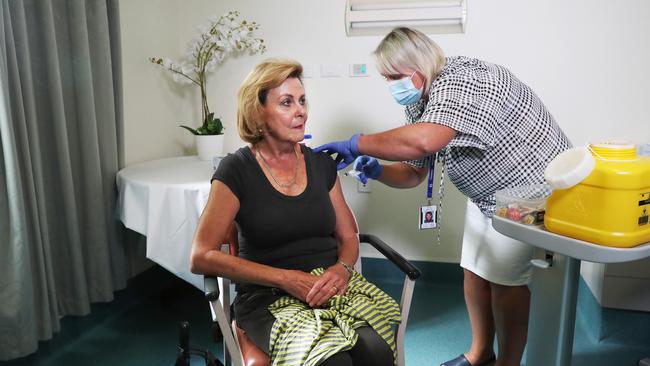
[
  {"x": 471, "y": 276},
  {"x": 371, "y": 349},
  {"x": 338, "y": 359},
  {"x": 512, "y": 291}
]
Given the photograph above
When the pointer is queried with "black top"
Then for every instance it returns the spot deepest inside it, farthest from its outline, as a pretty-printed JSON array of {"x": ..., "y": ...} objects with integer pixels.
[{"x": 290, "y": 232}]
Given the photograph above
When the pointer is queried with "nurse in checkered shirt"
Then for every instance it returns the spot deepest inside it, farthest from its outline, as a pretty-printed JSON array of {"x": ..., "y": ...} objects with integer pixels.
[{"x": 491, "y": 131}]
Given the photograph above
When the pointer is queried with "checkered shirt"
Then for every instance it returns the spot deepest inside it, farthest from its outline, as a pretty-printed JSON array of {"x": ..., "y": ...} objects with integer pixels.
[{"x": 505, "y": 136}]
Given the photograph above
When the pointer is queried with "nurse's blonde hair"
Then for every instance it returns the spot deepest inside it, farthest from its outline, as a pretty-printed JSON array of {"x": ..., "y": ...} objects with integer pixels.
[
  {"x": 409, "y": 48},
  {"x": 253, "y": 91}
]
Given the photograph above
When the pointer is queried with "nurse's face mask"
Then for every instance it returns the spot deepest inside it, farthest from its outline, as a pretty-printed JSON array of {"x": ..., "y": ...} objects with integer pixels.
[{"x": 404, "y": 91}]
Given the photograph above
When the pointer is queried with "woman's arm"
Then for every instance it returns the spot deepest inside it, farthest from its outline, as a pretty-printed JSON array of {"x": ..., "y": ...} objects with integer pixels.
[
  {"x": 402, "y": 175},
  {"x": 214, "y": 229},
  {"x": 335, "y": 279},
  {"x": 408, "y": 142}
]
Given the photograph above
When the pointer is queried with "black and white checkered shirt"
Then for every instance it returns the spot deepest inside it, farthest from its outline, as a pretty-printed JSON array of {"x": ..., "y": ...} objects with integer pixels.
[{"x": 505, "y": 135}]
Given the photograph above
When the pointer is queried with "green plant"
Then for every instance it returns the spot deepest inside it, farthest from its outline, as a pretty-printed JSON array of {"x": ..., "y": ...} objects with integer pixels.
[
  {"x": 210, "y": 126},
  {"x": 218, "y": 39}
]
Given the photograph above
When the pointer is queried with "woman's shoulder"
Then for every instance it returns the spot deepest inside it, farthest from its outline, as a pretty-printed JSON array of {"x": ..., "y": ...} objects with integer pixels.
[
  {"x": 320, "y": 158},
  {"x": 456, "y": 64},
  {"x": 235, "y": 160},
  {"x": 323, "y": 166},
  {"x": 462, "y": 76},
  {"x": 467, "y": 69},
  {"x": 242, "y": 154}
]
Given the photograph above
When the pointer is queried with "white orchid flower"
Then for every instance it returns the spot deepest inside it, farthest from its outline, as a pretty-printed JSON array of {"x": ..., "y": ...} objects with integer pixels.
[{"x": 215, "y": 40}]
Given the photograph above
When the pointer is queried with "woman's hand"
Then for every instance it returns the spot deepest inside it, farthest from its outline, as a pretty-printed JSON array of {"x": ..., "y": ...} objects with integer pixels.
[
  {"x": 299, "y": 283},
  {"x": 333, "y": 282}
]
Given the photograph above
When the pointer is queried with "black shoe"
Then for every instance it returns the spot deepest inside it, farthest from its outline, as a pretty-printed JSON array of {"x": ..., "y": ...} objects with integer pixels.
[{"x": 462, "y": 361}]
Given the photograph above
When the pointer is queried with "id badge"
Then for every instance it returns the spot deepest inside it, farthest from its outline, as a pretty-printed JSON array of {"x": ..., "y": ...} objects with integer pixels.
[{"x": 428, "y": 217}]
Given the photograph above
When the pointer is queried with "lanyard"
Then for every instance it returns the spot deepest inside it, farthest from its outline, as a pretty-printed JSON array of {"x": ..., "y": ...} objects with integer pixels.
[
  {"x": 441, "y": 190},
  {"x": 432, "y": 173}
]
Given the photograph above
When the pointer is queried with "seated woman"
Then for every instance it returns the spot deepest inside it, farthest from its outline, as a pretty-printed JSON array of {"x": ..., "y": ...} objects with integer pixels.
[{"x": 297, "y": 237}]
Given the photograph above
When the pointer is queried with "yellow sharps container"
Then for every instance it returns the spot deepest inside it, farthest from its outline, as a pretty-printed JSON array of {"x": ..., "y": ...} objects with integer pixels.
[{"x": 610, "y": 206}]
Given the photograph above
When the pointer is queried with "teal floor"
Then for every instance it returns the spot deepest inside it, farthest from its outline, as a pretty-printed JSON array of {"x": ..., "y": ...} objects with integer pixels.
[{"x": 140, "y": 326}]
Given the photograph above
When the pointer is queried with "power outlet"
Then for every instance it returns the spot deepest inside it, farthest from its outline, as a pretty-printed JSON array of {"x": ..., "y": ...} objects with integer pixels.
[{"x": 363, "y": 188}]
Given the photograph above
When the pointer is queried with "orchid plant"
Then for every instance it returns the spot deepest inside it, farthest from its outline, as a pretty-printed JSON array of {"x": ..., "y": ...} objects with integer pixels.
[{"x": 217, "y": 39}]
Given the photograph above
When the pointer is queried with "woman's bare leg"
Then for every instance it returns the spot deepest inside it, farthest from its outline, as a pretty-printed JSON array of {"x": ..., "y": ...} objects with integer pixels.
[
  {"x": 510, "y": 305},
  {"x": 478, "y": 299}
]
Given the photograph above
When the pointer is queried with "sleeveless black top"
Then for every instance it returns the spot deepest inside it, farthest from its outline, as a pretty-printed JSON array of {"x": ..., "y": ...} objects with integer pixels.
[{"x": 289, "y": 232}]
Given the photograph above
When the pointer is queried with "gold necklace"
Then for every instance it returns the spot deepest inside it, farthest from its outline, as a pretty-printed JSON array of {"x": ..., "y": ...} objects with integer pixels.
[{"x": 266, "y": 164}]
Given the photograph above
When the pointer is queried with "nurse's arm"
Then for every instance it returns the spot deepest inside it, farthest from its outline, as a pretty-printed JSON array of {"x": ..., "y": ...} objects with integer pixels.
[
  {"x": 402, "y": 175},
  {"x": 408, "y": 142}
]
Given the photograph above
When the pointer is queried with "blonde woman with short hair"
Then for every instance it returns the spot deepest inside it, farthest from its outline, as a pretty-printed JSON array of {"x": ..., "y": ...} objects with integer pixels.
[{"x": 490, "y": 131}]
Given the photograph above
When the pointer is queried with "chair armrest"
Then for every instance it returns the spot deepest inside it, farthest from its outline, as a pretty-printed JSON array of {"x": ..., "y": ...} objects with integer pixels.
[
  {"x": 404, "y": 265},
  {"x": 211, "y": 283},
  {"x": 211, "y": 288}
]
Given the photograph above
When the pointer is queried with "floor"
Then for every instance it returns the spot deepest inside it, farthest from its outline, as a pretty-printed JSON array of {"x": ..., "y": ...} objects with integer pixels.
[{"x": 140, "y": 327}]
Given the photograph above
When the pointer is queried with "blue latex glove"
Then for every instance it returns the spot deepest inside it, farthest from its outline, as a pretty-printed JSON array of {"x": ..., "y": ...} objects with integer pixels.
[
  {"x": 368, "y": 167},
  {"x": 346, "y": 150}
]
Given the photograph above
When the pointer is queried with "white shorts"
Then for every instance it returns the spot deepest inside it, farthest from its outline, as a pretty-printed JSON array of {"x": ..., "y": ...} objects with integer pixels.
[{"x": 492, "y": 255}]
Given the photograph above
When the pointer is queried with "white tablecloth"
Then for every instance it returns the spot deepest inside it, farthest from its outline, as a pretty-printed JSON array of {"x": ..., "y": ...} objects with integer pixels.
[{"x": 163, "y": 199}]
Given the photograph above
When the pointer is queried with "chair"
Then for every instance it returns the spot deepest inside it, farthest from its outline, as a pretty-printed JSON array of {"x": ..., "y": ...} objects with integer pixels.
[{"x": 240, "y": 351}]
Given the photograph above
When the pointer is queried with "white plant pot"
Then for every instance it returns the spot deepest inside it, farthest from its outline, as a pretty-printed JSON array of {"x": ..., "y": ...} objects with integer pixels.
[{"x": 209, "y": 146}]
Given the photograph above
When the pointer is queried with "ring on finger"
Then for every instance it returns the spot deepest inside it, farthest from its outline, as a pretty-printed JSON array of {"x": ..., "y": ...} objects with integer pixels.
[{"x": 335, "y": 289}]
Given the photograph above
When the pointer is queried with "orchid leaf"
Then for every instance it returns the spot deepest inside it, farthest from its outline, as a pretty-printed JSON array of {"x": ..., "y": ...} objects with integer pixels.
[{"x": 193, "y": 131}]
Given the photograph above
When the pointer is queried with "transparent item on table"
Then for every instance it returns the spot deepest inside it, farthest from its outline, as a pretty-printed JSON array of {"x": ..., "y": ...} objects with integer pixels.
[
  {"x": 352, "y": 173},
  {"x": 525, "y": 204}
]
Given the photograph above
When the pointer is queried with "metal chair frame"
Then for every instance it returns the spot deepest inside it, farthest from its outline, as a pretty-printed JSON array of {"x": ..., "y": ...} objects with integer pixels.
[{"x": 217, "y": 292}]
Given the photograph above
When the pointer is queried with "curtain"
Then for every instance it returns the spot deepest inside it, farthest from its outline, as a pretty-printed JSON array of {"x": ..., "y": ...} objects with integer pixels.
[{"x": 60, "y": 137}]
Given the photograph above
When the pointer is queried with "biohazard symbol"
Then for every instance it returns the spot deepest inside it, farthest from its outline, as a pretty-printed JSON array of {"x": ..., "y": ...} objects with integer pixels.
[{"x": 644, "y": 204}]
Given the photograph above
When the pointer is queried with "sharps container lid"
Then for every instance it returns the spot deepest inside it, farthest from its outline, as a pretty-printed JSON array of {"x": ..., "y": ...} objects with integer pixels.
[{"x": 569, "y": 168}]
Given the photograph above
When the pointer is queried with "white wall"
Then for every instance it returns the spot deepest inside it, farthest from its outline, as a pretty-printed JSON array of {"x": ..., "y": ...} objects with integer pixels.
[
  {"x": 586, "y": 59},
  {"x": 153, "y": 105}
]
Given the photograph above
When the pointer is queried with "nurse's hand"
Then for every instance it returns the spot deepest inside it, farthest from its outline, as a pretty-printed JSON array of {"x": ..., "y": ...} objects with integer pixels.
[
  {"x": 368, "y": 167},
  {"x": 346, "y": 150}
]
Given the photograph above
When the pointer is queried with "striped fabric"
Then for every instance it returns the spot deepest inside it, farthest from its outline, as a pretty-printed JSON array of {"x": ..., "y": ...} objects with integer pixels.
[{"x": 305, "y": 336}]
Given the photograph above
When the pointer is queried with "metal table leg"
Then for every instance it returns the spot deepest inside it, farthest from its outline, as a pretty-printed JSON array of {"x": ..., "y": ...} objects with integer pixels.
[
  {"x": 568, "y": 312},
  {"x": 552, "y": 317}
]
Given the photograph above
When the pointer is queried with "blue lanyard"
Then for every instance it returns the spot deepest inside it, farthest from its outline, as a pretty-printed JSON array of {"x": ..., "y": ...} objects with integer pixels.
[{"x": 432, "y": 173}]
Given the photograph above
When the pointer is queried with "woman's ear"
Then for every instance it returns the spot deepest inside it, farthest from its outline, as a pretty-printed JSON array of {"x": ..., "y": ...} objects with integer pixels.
[
  {"x": 260, "y": 125},
  {"x": 419, "y": 80},
  {"x": 261, "y": 128}
]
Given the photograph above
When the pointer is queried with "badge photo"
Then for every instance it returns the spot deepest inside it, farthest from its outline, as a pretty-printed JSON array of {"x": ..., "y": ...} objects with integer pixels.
[{"x": 428, "y": 217}]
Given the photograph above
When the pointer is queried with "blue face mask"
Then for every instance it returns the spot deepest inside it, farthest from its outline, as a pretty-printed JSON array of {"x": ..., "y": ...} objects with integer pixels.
[{"x": 404, "y": 91}]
